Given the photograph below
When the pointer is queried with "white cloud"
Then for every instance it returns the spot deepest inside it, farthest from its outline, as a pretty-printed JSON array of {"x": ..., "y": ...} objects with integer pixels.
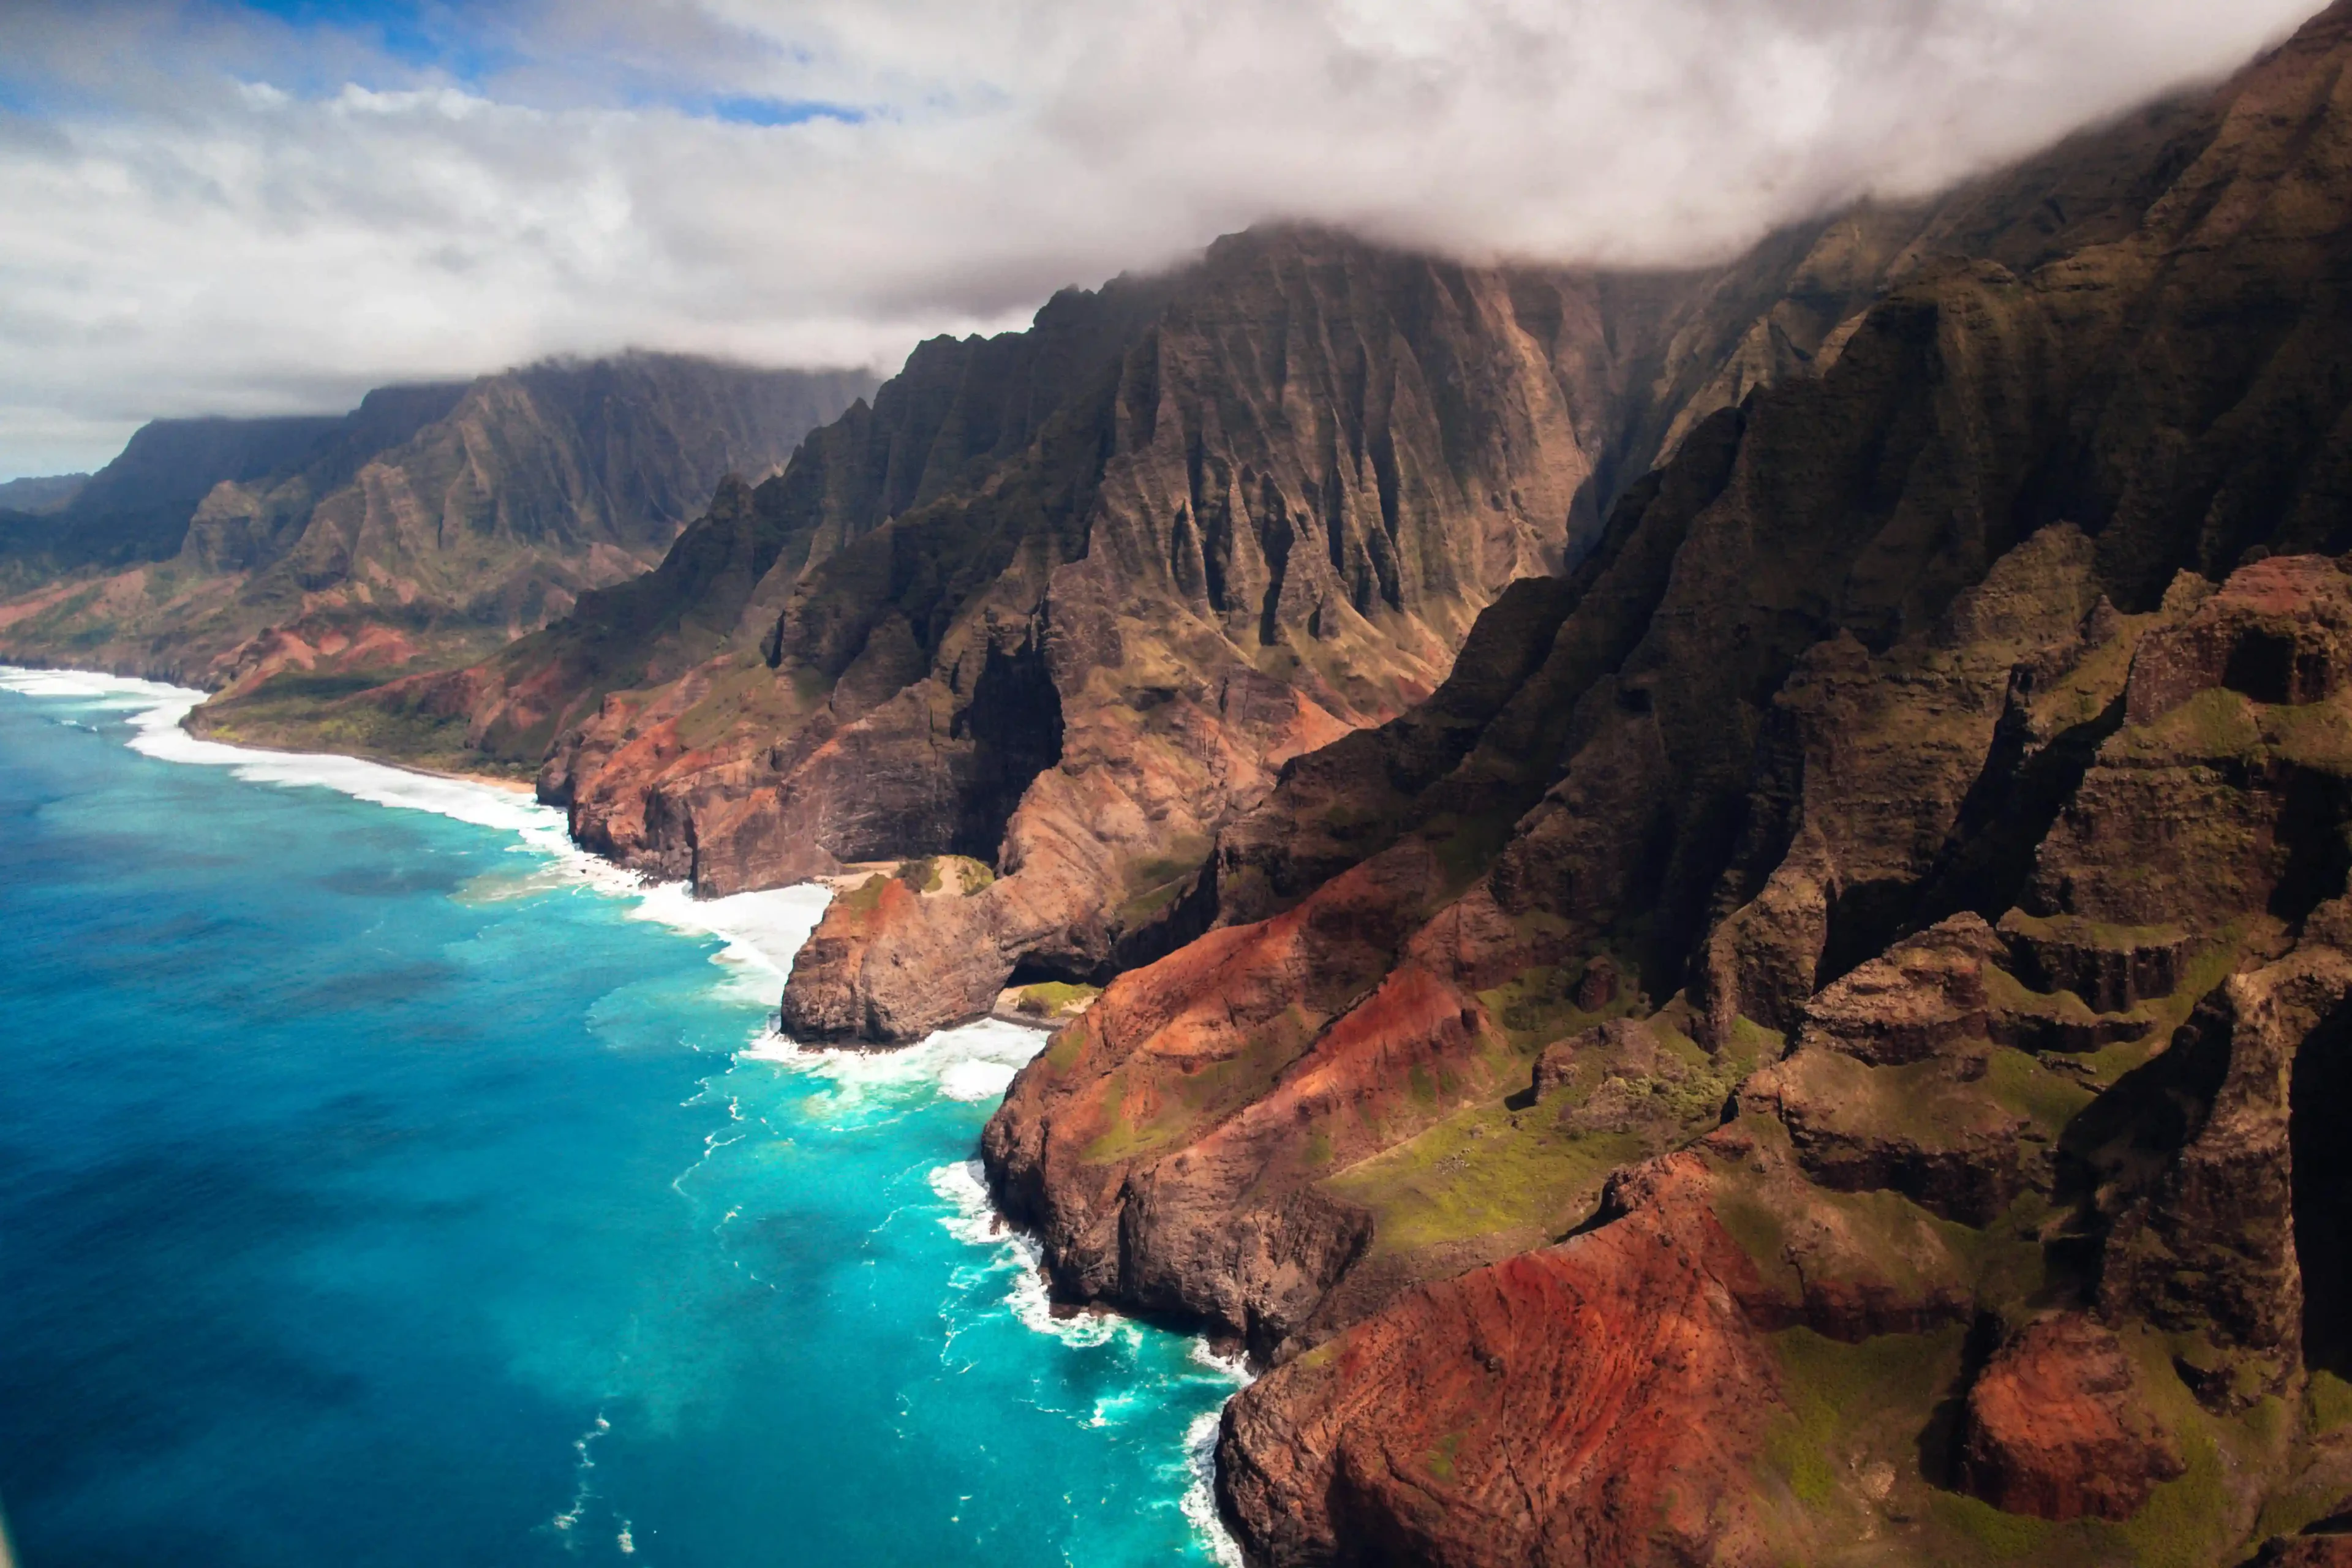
[{"x": 212, "y": 212}]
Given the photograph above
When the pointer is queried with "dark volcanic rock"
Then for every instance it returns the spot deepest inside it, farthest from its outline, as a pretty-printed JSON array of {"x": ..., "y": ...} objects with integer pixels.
[
  {"x": 1922, "y": 999},
  {"x": 2112, "y": 969},
  {"x": 2317, "y": 1551},
  {"x": 1885, "y": 1090},
  {"x": 2211, "y": 1244}
]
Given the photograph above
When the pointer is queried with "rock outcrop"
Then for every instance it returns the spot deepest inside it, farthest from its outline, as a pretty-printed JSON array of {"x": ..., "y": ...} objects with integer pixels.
[
  {"x": 2327, "y": 1551},
  {"x": 2057, "y": 1427},
  {"x": 1599, "y": 1402}
]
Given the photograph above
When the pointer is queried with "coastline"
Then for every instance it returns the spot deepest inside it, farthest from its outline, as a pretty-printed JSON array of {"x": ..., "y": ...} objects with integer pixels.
[
  {"x": 488, "y": 781},
  {"x": 700, "y": 1229},
  {"x": 761, "y": 930},
  {"x": 973, "y": 1061},
  {"x": 202, "y": 696},
  {"x": 456, "y": 775}
]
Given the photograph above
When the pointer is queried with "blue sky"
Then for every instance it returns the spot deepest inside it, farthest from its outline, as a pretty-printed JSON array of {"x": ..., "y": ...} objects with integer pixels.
[
  {"x": 467, "y": 43},
  {"x": 496, "y": 49},
  {"x": 485, "y": 47},
  {"x": 262, "y": 206}
]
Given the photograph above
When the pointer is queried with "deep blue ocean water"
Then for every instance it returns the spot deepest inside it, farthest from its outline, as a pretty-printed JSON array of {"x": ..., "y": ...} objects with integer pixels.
[{"x": 378, "y": 1186}]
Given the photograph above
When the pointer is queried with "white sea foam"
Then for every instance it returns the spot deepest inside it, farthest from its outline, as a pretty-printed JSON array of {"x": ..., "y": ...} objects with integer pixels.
[
  {"x": 972, "y": 1062},
  {"x": 156, "y": 712},
  {"x": 1234, "y": 1366},
  {"x": 759, "y": 933},
  {"x": 1200, "y": 1504},
  {"x": 584, "y": 1488},
  {"x": 115, "y": 691},
  {"x": 972, "y": 1219},
  {"x": 1200, "y": 1500}
]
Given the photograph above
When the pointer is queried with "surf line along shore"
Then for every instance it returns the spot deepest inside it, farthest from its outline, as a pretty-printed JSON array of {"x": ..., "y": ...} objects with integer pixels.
[
  {"x": 768, "y": 925},
  {"x": 760, "y": 930},
  {"x": 759, "y": 934}
]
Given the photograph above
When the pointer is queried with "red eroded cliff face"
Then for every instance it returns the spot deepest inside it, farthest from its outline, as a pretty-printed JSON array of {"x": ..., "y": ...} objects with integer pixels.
[
  {"x": 1910, "y": 1271},
  {"x": 1602, "y": 1401},
  {"x": 2058, "y": 1427},
  {"x": 1818, "y": 1042}
]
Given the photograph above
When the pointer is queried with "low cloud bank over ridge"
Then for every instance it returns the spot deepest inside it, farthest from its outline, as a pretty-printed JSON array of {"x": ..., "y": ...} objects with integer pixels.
[{"x": 215, "y": 211}]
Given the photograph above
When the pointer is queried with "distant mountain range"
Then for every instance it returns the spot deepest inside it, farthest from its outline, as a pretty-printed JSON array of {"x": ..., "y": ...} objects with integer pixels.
[
  {"x": 429, "y": 525},
  {"x": 44, "y": 493}
]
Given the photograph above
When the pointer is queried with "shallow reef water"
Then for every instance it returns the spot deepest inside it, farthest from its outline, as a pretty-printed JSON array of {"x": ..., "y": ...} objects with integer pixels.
[{"x": 382, "y": 1182}]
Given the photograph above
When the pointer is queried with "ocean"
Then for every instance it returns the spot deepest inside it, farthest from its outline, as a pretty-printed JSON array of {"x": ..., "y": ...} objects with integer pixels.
[{"x": 384, "y": 1182}]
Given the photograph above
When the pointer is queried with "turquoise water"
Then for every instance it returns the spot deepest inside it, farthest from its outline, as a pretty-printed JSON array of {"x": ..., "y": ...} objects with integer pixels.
[{"x": 384, "y": 1186}]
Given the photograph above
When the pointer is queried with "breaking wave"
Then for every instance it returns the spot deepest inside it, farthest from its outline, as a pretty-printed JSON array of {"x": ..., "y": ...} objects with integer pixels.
[{"x": 758, "y": 933}]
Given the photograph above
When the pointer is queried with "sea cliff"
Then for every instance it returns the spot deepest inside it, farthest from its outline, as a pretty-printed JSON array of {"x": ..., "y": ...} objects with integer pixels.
[{"x": 1814, "y": 1043}]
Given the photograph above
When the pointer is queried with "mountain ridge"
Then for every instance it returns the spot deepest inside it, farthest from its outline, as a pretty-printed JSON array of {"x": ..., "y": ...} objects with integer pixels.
[
  {"x": 1814, "y": 1045},
  {"x": 429, "y": 525},
  {"x": 1187, "y": 528}
]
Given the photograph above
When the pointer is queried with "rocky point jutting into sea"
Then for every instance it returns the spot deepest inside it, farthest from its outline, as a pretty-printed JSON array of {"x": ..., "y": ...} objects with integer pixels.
[{"x": 1720, "y": 897}]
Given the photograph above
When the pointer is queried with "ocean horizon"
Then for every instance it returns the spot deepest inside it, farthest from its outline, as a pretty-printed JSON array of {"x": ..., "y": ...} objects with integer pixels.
[{"x": 387, "y": 1180}]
